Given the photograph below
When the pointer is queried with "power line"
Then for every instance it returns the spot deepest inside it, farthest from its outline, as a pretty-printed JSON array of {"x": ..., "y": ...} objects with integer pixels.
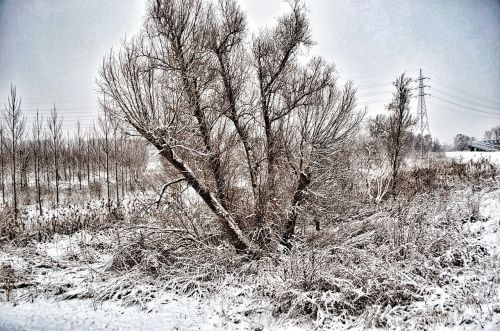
[
  {"x": 374, "y": 85},
  {"x": 376, "y": 75},
  {"x": 461, "y": 92},
  {"x": 464, "y": 99},
  {"x": 461, "y": 111},
  {"x": 374, "y": 93},
  {"x": 374, "y": 101},
  {"x": 65, "y": 117},
  {"x": 384, "y": 74},
  {"x": 58, "y": 102},
  {"x": 465, "y": 107},
  {"x": 49, "y": 109}
]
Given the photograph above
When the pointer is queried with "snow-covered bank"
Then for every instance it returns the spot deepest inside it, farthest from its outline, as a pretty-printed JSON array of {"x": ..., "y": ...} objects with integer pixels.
[
  {"x": 466, "y": 156},
  {"x": 174, "y": 313},
  {"x": 82, "y": 315},
  {"x": 167, "y": 312}
]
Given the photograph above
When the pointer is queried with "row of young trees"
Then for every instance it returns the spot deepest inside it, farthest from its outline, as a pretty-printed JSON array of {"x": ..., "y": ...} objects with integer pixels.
[{"x": 42, "y": 157}]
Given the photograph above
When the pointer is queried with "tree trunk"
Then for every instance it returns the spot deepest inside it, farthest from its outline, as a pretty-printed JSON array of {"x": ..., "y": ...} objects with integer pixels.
[
  {"x": 230, "y": 225},
  {"x": 2, "y": 161},
  {"x": 14, "y": 169},
  {"x": 298, "y": 197}
]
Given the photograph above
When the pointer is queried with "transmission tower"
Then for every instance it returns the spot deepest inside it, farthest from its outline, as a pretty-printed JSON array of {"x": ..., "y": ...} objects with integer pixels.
[{"x": 423, "y": 120}]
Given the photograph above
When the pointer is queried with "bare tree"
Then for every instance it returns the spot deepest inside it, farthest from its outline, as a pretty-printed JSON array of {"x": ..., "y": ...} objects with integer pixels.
[
  {"x": 325, "y": 124},
  {"x": 399, "y": 122},
  {"x": 105, "y": 127},
  {"x": 47, "y": 158},
  {"x": 116, "y": 157},
  {"x": 24, "y": 163},
  {"x": 55, "y": 131},
  {"x": 37, "y": 147},
  {"x": 493, "y": 134},
  {"x": 79, "y": 152},
  {"x": 94, "y": 153},
  {"x": 205, "y": 96},
  {"x": 15, "y": 125},
  {"x": 87, "y": 155},
  {"x": 2, "y": 161}
]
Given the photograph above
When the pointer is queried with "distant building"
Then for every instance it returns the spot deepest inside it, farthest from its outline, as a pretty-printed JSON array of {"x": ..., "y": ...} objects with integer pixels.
[{"x": 484, "y": 146}]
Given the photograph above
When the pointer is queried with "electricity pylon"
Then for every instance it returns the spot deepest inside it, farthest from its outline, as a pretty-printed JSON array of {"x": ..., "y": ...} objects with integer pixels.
[{"x": 423, "y": 120}]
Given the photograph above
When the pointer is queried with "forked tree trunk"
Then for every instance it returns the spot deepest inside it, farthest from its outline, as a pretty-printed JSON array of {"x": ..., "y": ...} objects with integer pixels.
[{"x": 241, "y": 242}]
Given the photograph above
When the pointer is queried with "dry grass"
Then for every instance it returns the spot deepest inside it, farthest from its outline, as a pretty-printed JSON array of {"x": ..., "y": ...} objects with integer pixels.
[
  {"x": 67, "y": 220},
  {"x": 376, "y": 267},
  {"x": 372, "y": 268}
]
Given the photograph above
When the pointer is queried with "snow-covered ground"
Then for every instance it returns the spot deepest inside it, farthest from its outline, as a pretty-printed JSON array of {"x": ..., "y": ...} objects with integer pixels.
[
  {"x": 67, "y": 268},
  {"x": 167, "y": 313},
  {"x": 466, "y": 156},
  {"x": 485, "y": 233},
  {"x": 56, "y": 269}
]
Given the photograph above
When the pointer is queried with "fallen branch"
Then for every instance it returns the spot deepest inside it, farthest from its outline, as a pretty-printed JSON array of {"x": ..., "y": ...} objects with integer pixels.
[{"x": 164, "y": 188}]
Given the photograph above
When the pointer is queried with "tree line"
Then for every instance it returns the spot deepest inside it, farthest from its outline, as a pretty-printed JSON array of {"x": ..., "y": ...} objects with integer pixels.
[
  {"x": 38, "y": 164},
  {"x": 461, "y": 141}
]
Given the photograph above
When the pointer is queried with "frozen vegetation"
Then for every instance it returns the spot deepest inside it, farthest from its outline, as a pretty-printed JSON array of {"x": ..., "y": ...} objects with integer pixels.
[
  {"x": 428, "y": 262},
  {"x": 493, "y": 157},
  {"x": 232, "y": 183}
]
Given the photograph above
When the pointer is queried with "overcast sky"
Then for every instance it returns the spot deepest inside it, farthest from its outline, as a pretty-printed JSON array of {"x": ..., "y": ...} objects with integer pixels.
[{"x": 51, "y": 50}]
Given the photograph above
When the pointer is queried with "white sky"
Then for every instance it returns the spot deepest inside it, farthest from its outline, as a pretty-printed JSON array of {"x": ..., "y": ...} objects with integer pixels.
[{"x": 51, "y": 50}]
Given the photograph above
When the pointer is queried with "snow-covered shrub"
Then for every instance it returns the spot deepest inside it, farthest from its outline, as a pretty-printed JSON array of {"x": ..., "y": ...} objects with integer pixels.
[
  {"x": 8, "y": 226},
  {"x": 7, "y": 279},
  {"x": 375, "y": 267}
]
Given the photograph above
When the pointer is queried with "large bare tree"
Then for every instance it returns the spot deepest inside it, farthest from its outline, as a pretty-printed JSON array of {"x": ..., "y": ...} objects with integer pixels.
[{"x": 245, "y": 121}]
